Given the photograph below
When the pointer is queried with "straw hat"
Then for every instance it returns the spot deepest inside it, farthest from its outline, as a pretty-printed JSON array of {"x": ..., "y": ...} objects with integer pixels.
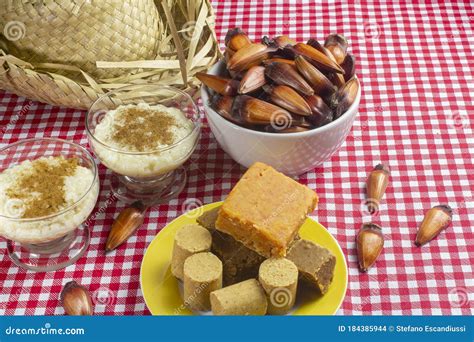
[{"x": 68, "y": 52}]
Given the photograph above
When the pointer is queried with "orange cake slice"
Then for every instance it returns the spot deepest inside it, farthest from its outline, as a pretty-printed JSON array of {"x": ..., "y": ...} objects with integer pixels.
[{"x": 265, "y": 210}]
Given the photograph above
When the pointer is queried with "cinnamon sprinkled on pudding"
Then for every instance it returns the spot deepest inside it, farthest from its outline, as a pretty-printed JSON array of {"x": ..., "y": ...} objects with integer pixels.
[
  {"x": 35, "y": 193},
  {"x": 40, "y": 188},
  {"x": 132, "y": 140},
  {"x": 143, "y": 129}
]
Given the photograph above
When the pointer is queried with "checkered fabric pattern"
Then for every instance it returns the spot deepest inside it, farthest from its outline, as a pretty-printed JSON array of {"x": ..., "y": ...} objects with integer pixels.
[{"x": 416, "y": 115}]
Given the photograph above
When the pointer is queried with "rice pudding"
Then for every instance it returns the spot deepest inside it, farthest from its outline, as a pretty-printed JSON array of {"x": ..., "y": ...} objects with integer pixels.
[
  {"x": 139, "y": 140},
  {"x": 44, "y": 199}
]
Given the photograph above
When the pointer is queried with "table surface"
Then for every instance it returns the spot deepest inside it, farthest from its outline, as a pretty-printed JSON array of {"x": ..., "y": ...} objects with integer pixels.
[{"x": 416, "y": 115}]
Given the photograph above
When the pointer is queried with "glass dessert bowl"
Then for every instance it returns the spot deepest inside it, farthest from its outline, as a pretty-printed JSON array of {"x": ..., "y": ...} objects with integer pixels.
[
  {"x": 48, "y": 189},
  {"x": 144, "y": 134}
]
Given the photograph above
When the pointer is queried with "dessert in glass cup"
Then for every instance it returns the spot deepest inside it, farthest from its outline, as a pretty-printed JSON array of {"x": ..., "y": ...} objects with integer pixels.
[
  {"x": 144, "y": 134},
  {"x": 48, "y": 189}
]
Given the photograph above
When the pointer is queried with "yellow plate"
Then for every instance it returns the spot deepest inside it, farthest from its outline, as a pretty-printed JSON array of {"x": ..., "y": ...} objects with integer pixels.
[{"x": 161, "y": 292}]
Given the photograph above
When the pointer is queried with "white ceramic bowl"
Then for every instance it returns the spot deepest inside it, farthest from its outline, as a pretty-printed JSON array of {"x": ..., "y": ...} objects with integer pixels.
[{"x": 290, "y": 153}]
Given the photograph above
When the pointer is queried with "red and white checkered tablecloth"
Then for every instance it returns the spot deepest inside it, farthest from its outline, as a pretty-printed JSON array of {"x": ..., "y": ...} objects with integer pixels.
[{"x": 415, "y": 62}]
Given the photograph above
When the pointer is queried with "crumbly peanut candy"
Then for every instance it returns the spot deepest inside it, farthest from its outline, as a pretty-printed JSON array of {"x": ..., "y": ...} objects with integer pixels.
[
  {"x": 244, "y": 298},
  {"x": 279, "y": 279},
  {"x": 315, "y": 263},
  {"x": 189, "y": 240},
  {"x": 265, "y": 210},
  {"x": 202, "y": 275}
]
